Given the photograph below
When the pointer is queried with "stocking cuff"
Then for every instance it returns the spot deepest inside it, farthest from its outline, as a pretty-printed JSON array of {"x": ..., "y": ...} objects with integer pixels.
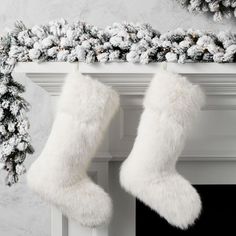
[
  {"x": 175, "y": 96},
  {"x": 87, "y": 98}
]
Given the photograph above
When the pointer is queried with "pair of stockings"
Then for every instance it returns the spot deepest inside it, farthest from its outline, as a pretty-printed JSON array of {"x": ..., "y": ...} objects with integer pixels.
[{"x": 85, "y": 110}]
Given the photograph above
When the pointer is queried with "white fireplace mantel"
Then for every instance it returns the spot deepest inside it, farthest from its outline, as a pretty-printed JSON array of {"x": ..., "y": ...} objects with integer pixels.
[
  {"x": 131, "y": 78},
  {"x": 210, "y": 153}
]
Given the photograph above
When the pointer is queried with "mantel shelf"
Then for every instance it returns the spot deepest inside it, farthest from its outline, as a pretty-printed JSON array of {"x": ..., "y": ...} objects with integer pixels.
[
  {"x": 125, "y": 68},
  {"x": 132, "y": 79}
]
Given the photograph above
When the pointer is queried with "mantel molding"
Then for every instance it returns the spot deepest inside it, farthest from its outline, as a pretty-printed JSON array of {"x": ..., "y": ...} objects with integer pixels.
[
  {"x": 132, "y": 79},
  {"x": 126, "y": 68}
]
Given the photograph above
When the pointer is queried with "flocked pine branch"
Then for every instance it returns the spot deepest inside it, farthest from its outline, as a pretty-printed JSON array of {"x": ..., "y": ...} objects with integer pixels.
[
  {"x": 219, "y": 9},
  {"x": 14, "y": 125}
]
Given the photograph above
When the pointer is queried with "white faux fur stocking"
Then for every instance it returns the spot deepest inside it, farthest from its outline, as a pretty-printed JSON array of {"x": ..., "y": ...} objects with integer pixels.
[
  {"x": 59, "y": 175},
  {"x": 149, "y": 173}
]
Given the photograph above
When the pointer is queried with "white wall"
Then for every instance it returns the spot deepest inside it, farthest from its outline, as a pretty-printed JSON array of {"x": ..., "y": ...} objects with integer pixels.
[
  {"x": 162, "y": 14},
  {"x": 21, "y": 212}
]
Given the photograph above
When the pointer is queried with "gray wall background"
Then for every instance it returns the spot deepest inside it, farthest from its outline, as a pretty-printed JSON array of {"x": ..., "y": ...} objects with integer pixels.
[
  {"x": 21, "y": 212},
  {"x": 162, "y": 14}
]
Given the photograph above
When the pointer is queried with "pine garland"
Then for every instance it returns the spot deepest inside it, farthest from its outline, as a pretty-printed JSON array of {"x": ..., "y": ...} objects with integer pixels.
[
  {"x": 14, "y": 125},
  {"x": 61, "y": 41},
  {"x": 220, "y": 9}
]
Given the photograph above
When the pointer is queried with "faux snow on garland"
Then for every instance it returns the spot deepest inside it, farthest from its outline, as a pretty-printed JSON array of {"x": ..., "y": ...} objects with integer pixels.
[
  {"x": 220, "y": 9},
  {"x": 60, "y": 41}
]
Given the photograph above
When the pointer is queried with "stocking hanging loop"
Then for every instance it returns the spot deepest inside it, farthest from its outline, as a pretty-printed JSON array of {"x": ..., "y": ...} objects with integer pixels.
[{"x": 164, "y": 65}]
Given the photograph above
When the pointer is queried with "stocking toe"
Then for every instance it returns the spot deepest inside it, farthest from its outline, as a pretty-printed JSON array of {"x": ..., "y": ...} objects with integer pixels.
[
  {"x": 87, "y": 203},
  {"x": 174, "y": 199}
]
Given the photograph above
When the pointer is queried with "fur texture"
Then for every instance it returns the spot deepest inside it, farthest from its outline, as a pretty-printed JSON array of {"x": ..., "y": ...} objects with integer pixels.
[
  {"x": 171, "y": 105},
  {"x": 59, "y": 175}
]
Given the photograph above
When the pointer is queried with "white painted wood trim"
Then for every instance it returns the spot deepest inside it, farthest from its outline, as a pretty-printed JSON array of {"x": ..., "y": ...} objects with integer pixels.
[
  {"x": 128, "y": 78},
  {"x": 46, "y": 67},
  {"x": 131, "y": 68},
  {"x": 59, "y": 223},
  {"x": 125, "y": 68}
]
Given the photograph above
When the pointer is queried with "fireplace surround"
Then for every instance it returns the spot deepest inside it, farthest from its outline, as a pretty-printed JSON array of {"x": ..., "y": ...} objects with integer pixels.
[{"x": 209, "y": 157}]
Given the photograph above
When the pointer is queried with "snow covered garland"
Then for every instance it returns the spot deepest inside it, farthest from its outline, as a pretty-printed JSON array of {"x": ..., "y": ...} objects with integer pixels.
[
  {"x": 60, "y": 41},
  {"x": 220, "y": 9}
]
